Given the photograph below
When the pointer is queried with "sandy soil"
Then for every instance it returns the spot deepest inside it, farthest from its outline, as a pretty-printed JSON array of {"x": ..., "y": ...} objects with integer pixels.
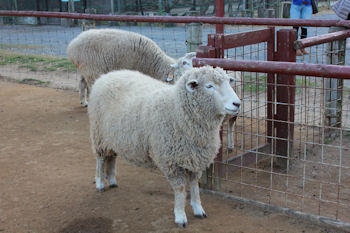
[{"x": 47, "y": 171}]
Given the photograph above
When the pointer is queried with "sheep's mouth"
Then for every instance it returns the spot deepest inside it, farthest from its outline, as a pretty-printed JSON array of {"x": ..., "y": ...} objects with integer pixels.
[{"x": 231, "y": 111}]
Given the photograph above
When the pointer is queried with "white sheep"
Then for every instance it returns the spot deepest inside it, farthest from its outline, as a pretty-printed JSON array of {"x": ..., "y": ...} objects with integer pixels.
[
  {"x": 232, "y": 119},
  {"x": 99, "y": 51},
  {"x": 154, "y": 124}
]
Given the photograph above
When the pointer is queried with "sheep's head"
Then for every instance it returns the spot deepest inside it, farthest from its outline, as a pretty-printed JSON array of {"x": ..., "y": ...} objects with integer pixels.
[
  {"x": 181, "y": 66},
  {"x": 209, "y": 91}
]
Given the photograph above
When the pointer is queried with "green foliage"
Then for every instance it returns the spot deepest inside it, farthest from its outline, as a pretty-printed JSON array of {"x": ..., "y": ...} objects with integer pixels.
[
  {"x": 34, "y": 81},
  {"x": 21, "y": 46},
  {"x": 36, "y": 62},
  {"x": 254, "y": 83},
  {"x": 258, "y": 83}
]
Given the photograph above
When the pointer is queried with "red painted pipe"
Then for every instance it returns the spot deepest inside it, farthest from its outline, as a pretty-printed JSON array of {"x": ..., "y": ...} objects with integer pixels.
[
  {"x": 321, "y": 39},
  {"x": 220, "y": 12},
  {"x": 184, "y": 19},
  {"x": 317, "y": 70}
]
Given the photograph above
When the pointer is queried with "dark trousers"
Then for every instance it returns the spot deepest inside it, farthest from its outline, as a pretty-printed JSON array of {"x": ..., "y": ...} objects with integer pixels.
[{"x": 303, "y": 32}]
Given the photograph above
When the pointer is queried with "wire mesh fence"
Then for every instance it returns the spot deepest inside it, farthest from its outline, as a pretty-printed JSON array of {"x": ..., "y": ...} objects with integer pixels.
[{"x": 313, "y": 176}]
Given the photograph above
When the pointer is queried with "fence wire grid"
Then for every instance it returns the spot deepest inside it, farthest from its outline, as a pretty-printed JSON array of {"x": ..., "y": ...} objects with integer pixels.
[{"x": 316, "y": 177}]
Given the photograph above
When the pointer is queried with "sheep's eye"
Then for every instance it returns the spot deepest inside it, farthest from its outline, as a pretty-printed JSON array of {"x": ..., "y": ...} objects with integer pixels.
[
  {"x": 210, "y": 86},
  {"x": 231, "y": 80},
  {"x": 184, "y": 63}
]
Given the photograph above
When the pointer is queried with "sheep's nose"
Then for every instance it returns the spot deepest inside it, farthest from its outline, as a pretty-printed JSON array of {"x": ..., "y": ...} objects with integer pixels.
[{"x": 236, "y": 104}]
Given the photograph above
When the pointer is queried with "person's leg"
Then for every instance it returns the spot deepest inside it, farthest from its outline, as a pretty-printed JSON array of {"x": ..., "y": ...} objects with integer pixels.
[
  {"x": 296, "y": 28},
  {"x": 295, "y": 12},
  {"x": 303, "y": 36},
  {"x": 303, "y": 32},
  {"x": 306, "y": 13}
]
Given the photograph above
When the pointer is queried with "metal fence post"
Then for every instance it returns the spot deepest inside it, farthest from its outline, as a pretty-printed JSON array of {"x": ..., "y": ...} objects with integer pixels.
[
  {"x": 209, "y": 180},
  {"x": 271, "y": 82},
  {"x": 211, "y": 176},
  {"x": 334, "y": 87},
  {"x": 219, "y": 12},
  {"x": 285, "y": 91}
]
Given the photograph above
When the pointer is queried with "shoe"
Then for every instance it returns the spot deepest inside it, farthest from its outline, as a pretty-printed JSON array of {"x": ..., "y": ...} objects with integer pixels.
[
  {"x": 304, "y": 51},
  {"x": 299, "y": 53}
]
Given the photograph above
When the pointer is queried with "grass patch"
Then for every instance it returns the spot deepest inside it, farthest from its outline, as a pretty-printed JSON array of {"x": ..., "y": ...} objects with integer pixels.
[
  {"x": 259, "y": 83},
  {"x": 34, "y": 81},
  {"x": 48, "y": 68},
  {"x": 36, "y": 62},
  {"x": 254, "y": 84},
  {"x": 21, "y": 46},
  {"x": 31, "y": 67}
]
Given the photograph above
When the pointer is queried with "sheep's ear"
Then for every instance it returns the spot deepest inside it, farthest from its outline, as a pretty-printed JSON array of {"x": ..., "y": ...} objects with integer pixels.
[
  {"x": 175, "y": 65},
  {"x": 191, "y": 85}
]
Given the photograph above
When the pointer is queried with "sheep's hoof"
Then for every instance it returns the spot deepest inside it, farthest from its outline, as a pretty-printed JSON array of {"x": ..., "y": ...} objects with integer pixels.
[
  {"x": 201, "y": 216},
  {"x": 182, "y": 225},
  {"x": 113, "y": 186},
  {"x": 85, "y": 104},
  {"x": 101, "y": 190}
]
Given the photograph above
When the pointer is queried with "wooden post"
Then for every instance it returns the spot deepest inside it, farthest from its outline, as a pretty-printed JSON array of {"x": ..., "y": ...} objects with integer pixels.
[
  {"x": 89, "y": 24},
  {"x": 69, "y": 22},
  {"x": 112, "y": 7},
  {"x": 194, "y": 34},
  {"x": 119, "y": 6},
  {"x": 160, "y": 7}
]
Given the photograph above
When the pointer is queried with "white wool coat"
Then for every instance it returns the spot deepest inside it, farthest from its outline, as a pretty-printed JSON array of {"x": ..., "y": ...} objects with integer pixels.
[
  {"x": 151, "y": 123},
  {"x": 99, "y": 51}
]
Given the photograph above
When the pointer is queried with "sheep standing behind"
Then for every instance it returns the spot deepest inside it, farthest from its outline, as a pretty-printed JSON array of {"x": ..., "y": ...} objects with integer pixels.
[
  {"x": 99, "y": 51},
  {"x": 151, "y": 123},
  {"x": 231, "y": 120}
]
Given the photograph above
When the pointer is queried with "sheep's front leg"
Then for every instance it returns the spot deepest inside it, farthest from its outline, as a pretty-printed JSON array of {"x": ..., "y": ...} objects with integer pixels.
[
  {"x": 83, "y": 91},
  {"x": 195, "y": 198},
  {"x": 178, "y": 183},
  {"x": 99, "y": 178},
  {"x": 110, "y": 171}
]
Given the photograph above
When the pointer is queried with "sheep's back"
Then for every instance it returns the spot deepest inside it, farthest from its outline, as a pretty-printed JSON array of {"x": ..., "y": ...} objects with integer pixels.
[{"x": 99, "y": 51}]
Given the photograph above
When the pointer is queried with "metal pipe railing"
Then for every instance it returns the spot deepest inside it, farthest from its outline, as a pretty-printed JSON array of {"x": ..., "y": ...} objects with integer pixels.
[
  {"x": 321, "y": 39},
  {"x": 183, "y": 19},
  {"x": 317, "y": 70}
]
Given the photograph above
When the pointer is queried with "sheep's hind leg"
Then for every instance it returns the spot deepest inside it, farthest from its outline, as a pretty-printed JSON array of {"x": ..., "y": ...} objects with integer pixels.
[
  {"x": 230, "y": 146},
  {"x": 178, "y": 183},
  {"x": 111, "y": 171},
  {"x": 99, "y": 178},
  {"x": 83, "y": 91},
  {"x": 195, "y": 198}
]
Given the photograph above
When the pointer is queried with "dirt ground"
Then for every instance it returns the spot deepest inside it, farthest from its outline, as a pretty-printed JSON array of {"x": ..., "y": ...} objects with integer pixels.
[{"x": 47, "y": 172}]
